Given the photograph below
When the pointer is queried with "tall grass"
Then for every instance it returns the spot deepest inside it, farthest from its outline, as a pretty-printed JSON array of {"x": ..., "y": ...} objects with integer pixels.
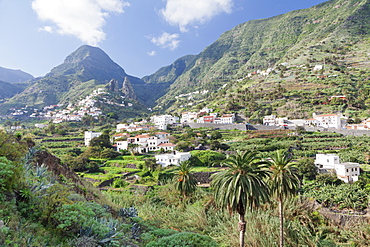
[{"x": 163, "y": 209}]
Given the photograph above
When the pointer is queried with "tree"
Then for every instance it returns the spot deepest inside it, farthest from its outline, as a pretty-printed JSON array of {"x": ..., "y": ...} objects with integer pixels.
[
  {"x": 283, "y": 181},
  {"x": 307, "y": 169},
  {"x": 102, "y": 141},
  {"x": 132, "y": 148},
  {"x": 184, "y": 180},
  {"x": 215, "y": 135},
  {"x": 151, "y": 164},
  {"x": 242, "y": 186}
]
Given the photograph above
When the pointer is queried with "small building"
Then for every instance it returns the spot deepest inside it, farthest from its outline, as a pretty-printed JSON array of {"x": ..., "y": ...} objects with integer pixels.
[
  {"x": 227, "y": 118},
  {"x": 318, "y": 67},
  {"x": 347, "y": 171},
  {"x": 41, "y": 126},
  {"x": 174, "y": 158},
  {"x": 90, "y": 135}
]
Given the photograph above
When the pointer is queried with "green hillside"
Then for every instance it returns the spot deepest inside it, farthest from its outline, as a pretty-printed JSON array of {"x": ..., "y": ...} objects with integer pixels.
[
  {"x": 289, "y": 65},
  {"x": 334, "y": 34},
  {"x": 8, "y": 90}
]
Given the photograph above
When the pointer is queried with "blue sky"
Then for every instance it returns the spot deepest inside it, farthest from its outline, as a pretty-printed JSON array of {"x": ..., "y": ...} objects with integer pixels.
[{"x": 139, "y": 35}]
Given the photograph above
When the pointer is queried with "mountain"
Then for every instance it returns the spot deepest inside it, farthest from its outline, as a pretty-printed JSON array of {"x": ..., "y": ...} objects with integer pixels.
[
  {"x": 81, "y": 72},
  {"x": 14, "y": 76},
  {"x": 290, "y": 65},
  {"x": 8, "y": 90},
  {"x": 334, "y": 33}
]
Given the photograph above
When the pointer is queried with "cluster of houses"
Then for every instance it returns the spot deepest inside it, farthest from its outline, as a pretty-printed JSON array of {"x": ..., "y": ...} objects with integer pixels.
[
  {"x": 160, "y": 141},
  {"x": 207, "y": 115},
  {"x": 73, "y": 112},
  {"x": 145, "y": 143},
  {"x": 336, "y": 121},
  {"x": 84, "y": 107}
]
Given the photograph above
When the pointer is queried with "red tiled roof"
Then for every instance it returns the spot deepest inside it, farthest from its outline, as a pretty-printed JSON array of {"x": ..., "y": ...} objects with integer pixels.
[
  {"x": 167, "y": 145},
  {"x": 122, "y": 134},
  {"x": 326, "y": 115},
  {"x": 142, "y": 136}
]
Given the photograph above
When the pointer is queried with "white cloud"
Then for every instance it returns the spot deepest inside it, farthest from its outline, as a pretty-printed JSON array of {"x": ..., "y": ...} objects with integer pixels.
[
  {"x": 48, "y": 29},
  {"x": 189, "y": 12},
  {"x": 152, "y": 53},
  {"x": 167, "y": 40},
  {"x": 83, "y": 19}
]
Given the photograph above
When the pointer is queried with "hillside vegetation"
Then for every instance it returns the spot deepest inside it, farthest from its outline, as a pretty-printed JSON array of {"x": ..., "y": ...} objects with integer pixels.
[{"x": 234, "y": 69}]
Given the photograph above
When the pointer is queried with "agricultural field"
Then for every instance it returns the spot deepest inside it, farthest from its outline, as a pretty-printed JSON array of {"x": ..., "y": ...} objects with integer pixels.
[{"x": 129, "y": 180}]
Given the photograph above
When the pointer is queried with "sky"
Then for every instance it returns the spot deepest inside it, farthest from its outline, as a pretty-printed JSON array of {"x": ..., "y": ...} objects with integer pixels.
[{"x": 139, "y": 35}]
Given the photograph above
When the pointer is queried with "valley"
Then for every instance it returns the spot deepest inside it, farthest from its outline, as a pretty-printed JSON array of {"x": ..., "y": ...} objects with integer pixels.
[{"x": 261, "y": 139}]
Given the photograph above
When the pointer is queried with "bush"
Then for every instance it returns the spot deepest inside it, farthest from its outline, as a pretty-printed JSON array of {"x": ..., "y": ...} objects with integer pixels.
[
  {"x": 73, "y": 217},
  {"x": 119, "y": 183},
  {"x": 184, "y": 239},
  {"x": 206, "y": 158},
  {"x": 156, "y": 234},
  {"x": 6, "y": 173}
]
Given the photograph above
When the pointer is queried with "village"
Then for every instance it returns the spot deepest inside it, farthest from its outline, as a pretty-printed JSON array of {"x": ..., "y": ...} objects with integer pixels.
[{"x": 166, "y": 153}]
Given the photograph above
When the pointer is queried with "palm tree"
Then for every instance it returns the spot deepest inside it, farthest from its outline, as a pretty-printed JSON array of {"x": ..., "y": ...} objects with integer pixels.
[
  {"x": 242, "y": 186},
  {"x": 184, "y": 180},
  {"x": 283, "y": 182}
]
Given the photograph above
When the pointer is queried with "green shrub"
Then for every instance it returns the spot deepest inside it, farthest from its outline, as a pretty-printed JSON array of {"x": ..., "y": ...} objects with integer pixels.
[
  {"x": 184, "y": 239},
  {"x": 6, "y": 173},
  {"x": 79, "y": 215},
  {"x": 119, "y": 183},
  {"x": 156, "y": 234}
]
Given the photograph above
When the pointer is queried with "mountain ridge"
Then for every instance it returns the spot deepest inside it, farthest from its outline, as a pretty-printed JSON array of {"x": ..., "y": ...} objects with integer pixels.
[
  {"x": 14, "y": 75},
  {"x": 334, "y": 33},
  {"x": 266, "y": 43}
]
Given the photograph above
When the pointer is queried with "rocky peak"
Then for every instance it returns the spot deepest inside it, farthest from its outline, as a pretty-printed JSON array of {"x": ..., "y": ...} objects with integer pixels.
[{"x": 128, "y": 90}]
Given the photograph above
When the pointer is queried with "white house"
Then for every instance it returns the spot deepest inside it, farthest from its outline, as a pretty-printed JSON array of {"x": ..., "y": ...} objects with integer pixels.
[
  {"x": 327, "y": 121},
  {"x": 161, "y": 122},
  {"x": 90, "y": 135},
  {"x": 227, "y": 118},
  {"x": 172, "y": 159},
  {"x": 272, "y": 120},
  {"x": 188, "y": 117},
  {"x": 41, "y": 126},
  {"x": 326, "y": 161},
  {"x": 347, "y": 172},
  {"x": 318, "y": 67}
]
